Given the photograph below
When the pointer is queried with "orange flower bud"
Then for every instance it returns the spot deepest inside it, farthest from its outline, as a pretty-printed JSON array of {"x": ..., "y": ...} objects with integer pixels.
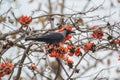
[
  {"x": 117, "y": 41},
  {"x": 3, "y": 64},
  {"x": 10, "y": 65},
  {"x": 25, "y": 20},
  {"x": 33, "y": 66}
]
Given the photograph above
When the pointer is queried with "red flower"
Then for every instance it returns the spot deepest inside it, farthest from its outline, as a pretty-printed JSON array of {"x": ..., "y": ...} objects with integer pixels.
[
  {"x": 2, "y": 64},
  {"x": 10, "y": 65},
  {"x": 97, "y": 33},
  {"x": 25, "y": 20},
  {"x": 70, "y": 54},
  {"x": 33, "y": 66},
  {"x": 88, "y": 46},
  {"x": 68, "y": 37},
  {"x": 62, "y": 55},
  {"x": 68, "y": 47},
  {"x": 68, "y": 27},
  {"x": 117, "y": 41},
  {"x": 5, "y": 68},
  {"x": 54, "y": 54},
  {"x": 62, "y": 49},
  {"x": 69, "y": 61},
  {"x": 74, "y": 50},
  {"x": 77, "y": 51}
]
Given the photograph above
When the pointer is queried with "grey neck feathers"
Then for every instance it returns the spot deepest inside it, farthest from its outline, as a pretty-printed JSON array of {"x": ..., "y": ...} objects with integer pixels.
[{"x": 64, "y": 33}]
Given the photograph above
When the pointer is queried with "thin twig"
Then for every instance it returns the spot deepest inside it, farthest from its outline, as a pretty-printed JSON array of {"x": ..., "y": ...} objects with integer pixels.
[{"x": 22, "y": 61}]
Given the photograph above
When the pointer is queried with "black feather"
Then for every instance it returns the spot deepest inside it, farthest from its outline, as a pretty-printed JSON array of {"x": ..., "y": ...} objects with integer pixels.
[
  {"x": 48, "y": 38},
  {"x": 52, "y": 37}
]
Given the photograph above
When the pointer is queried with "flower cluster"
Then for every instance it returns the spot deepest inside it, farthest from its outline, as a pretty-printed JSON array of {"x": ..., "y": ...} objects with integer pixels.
[
  {"x": 97, "y": 33},
  {"x": 74, "y": 50},
  {"x": 5, "y": 68},
  {"x": 69, "y": 62},
  {"x": 56, "y": 51},
  {"x": 89, "y": 46},
  {"x": 25, "y": 20},
  {"x": 60, "y": 51}
]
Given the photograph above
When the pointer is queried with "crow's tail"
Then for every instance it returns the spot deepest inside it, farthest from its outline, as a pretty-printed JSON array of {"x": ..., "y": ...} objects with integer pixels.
[{"x": 36, "y": 39}]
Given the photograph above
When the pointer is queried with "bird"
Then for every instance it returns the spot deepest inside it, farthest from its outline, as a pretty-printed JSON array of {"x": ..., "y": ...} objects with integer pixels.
[{"x": 52, "y": 38}]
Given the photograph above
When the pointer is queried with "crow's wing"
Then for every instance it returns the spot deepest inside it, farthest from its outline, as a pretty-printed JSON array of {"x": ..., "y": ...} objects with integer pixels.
[{"x": 49, "y": 38}]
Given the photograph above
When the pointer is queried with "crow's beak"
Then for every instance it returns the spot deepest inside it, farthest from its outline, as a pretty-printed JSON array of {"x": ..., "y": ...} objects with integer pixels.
[{"x": 69, "y": 32}]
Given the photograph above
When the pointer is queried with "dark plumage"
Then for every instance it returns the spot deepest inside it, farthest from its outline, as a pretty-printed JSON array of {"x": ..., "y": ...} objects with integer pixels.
[{"x": 52, "y": 37}]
